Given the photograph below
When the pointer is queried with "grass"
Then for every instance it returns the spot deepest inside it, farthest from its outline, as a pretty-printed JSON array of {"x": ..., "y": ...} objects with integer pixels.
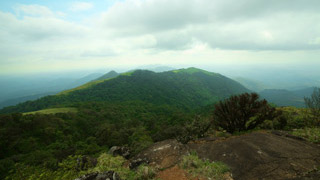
[
  {"x": 192, "y": 70},
  {"x": 92, "y": 83},
  {"x": 67, "y": 170},
  {"x": 53, "y": 111},
  {"x": 203, "y": 168},
  {"x": 85, "y": 86},
  {"x": 127, "y": 73},
  {"x": 310, "y": 134}
]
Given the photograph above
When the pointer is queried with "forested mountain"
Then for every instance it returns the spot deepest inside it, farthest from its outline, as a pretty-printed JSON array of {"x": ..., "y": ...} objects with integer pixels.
[
  {"x": 185, "y": 88},
  {"x": 282, "y": 97},
  {"x": 134, "y": 109},
  {"x": 108, "y": 75}
]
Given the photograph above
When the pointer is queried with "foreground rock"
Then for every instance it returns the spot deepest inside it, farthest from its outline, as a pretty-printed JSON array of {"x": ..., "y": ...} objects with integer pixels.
[
  {"x": 109, "y": 175},
  {"x": 262, "y": 155},
  {"x": 120, "y": 151},
  {"x": 163, "y": 154},
  {"x": 258, "y": 155}
]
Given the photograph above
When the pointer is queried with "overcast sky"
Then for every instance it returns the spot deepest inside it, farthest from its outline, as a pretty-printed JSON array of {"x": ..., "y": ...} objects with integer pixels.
[{"x": 45, "y": 36}]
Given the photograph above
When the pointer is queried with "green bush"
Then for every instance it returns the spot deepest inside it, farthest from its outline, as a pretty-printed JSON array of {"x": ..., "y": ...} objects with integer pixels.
[
  {"x": 203, "y": 168},
  {"x": 139, "y": 140},
  {"x": 67, "y": 170},
  {"x": 279, "y": 122},
  {"x": 145, "y": 173},
  {"x": 313, "y": 104},
  {"x": 195, "y": 129},
  {"x": 242, "y": 112},
  {"x": 310, "y": 134}
]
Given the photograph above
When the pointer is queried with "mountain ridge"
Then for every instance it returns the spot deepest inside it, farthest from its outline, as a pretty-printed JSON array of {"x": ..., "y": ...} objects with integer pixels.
[{"x": 187, "y": 88}]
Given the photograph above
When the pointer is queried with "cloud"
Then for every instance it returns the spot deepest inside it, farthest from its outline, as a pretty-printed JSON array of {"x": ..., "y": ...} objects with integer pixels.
[
  {"x": 229, "y": 24},
  {"x": 34, "y": 10},
  {"x": 160, "y": 31},
  {"x": 81, "y": 6}
]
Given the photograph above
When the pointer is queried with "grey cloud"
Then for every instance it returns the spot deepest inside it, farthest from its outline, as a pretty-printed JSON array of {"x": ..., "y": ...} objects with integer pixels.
[
  {"x": 152, "y": 15},
  {"x": 228, "y": 24}
]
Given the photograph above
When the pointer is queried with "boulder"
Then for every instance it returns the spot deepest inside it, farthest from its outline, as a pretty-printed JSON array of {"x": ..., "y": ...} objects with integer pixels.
[
  {"x": 137, "y": 162},
  {"x": 163, "y": 154},
  {"x": 120, "y": 151}
]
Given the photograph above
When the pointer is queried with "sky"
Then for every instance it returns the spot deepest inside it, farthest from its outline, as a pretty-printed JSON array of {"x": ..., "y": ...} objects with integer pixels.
[{"x": 61, "y": 35}]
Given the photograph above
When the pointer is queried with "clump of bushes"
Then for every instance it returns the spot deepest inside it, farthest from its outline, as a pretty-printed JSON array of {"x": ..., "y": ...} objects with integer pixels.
[
  {"x": 195, "y": 129},
  {"x": 243, "y": 112},
  {"x": 203, "y": 168},
  {"x": 313, "y": 104},
  {"x": 310, "y": 134},
  {"x": 68, "y": 170}
]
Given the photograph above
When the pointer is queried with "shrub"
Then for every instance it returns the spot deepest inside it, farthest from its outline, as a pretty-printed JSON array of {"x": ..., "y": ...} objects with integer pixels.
[
  {"x": 107, "y": 162},
  {"x": 197, "y": 128},
  {"x": 139, "y": 140},
  {"x": 145, "y": 173},
  {"x": 310, "y": 134},
  {"x": 279, "y": 122},
  {"x": 242, "y": 112},
  {"x": 203, "y": 168},
  {"x": 313, "y": 103}
]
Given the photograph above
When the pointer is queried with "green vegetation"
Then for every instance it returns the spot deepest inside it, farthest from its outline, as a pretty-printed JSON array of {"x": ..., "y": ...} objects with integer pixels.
[
  {"x": 283, "y": 97},
  {"x": 193, "y": 70},
  {"x": 134, "y": 110},
  {"x": 192, "y": 130},
  {"x": 43, "y": 141},
  {"x": 242, "y": 113},
  {"x": 203, "y": 168},
  {"x": 67, "y": 170},
  {"x": 313, "y": 103},
  {"x": 53, "y": 111},
  {"x": 85, "y": 86},
  {"x": 109, "y": 75},
  {"x": 310, "y": 134},
  {"x": 183, "y": 90},
  {"x": 105, "y": 77}
]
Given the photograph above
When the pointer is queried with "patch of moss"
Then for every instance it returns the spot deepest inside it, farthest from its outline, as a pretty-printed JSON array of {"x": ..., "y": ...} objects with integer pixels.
[
  {"x": 53, "y": 111},
  {"x": 203, "y": 168},
  {"x": 310, "y": 134}
]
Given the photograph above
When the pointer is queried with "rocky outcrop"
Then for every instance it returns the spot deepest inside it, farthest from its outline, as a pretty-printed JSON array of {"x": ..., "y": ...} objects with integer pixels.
[
  {"x": 163, "y": 154},
  {"x": 262, "y": 155},
  {"x": 108, "y": 175},
  {"x": 120, "y": 151},
  {"x": 257, "y": 155},
  {"x": 134, "y": 163}
]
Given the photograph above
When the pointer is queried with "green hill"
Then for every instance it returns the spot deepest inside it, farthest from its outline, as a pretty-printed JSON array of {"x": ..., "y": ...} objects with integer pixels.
[
  {"x": 108, "y": 75},
  {"x": 184, "y": 88}
]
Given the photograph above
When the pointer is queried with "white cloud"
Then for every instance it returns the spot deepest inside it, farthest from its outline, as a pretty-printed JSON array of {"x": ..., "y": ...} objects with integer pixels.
[
  {"x": 81, "y": 6},
  {"x": 249, "y": 25},
  {"x": 160, "y": 31}
]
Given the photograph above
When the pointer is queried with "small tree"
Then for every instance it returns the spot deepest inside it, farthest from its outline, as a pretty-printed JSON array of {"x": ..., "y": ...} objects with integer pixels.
[
  {"x": 242, "y": 112},
  {"x": 195, "y": 129},
  {"x": 313, "y": 103}
]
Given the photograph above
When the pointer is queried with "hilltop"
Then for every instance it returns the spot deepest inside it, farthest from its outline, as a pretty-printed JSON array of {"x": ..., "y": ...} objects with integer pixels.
[{"x": 185, "y": 88}]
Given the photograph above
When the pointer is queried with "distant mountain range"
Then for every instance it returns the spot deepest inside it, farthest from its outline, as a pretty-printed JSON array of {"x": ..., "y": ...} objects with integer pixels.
[
  {"x": 186, "y": 88},
  {"x": 19, "y": 89},
  {"x": 282, "y": 97}
]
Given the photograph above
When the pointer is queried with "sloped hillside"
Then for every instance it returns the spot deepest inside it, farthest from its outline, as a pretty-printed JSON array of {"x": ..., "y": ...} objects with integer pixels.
[{"x": 185, "y": 88}]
